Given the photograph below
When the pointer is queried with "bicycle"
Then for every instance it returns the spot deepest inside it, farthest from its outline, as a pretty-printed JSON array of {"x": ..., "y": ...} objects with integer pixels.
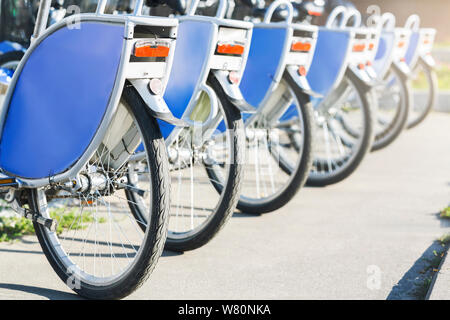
[
  {"x": 343, "y": 106},
  {"x": 68, "y": 174},
  {"x": 207, "y": 155}
]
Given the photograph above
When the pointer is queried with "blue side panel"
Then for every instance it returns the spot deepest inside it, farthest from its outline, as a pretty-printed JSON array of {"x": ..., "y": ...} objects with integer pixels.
[
  {"x": 191, "y": 52},
  {"x": 328, "y": 61},
  {"x": 385, "y": 47},
  {"x": 60, "y": 99},
  {"x": 412, "y": 48},
  {"x": 264, "y": 57}
]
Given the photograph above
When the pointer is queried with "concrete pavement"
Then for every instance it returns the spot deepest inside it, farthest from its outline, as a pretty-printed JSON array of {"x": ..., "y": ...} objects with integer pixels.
[{"x": 369, "y": 237}]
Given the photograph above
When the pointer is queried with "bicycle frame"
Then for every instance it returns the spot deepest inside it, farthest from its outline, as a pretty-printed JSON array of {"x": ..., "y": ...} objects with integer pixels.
[
  {"x": 100, "y": 53},
  {"x": 421, "y": 43},
  {"x": 393, "y": 46},
  {"x": 198, "y": 55},
  {"x": 277, "y": 47},
  {"x": 349, "y": 45}
]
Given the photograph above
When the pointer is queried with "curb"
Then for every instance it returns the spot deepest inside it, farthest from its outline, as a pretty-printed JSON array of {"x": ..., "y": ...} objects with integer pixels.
[
  {"x": 440, "y": 284},
  {"x": 443, "y": 102}
]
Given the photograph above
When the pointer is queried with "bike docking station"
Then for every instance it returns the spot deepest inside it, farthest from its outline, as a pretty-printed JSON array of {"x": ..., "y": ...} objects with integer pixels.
[{"x": 124, "y": 120}]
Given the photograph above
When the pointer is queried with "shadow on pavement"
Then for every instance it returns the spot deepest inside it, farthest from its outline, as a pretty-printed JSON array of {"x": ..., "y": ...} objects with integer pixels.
[
  {"x": 239, "y": 214},
  {"x": 47, "y": 293}
]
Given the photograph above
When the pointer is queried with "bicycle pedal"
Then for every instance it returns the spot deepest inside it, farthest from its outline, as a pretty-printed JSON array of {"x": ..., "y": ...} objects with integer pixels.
[{"x": 50, "y": 224}]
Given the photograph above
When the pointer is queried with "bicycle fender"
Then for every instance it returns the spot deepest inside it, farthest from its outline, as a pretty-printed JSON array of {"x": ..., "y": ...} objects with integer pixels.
[
  {"x": 428, "y": 60},
  {"x": 361, "y": 77},
  {"x": 156, "y": 103},
  {"x": 403, "y": 69},
  {"x": 233, "y": 92},
  {"x": 301, "y": 82}
]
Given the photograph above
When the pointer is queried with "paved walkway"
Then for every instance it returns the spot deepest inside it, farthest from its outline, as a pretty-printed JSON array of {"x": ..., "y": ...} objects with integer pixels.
[{"x": 369, "y": 237}]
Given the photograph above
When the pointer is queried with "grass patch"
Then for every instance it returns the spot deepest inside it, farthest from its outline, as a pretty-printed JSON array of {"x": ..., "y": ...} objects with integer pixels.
[
  {"x": 13, "y": 228},
  {"x": 445, "y": 213},
  {"x": 445, "y": 239},
  {"x": 71, "y": 219},
  {"x": 443, "y": 74},
  {"x": 442, "y": 45}
]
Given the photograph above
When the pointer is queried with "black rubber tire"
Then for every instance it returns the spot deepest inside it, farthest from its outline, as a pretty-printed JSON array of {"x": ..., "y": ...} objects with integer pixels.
[
  {"x": 433, "y": 83},
  {"x": 155, "y": 235},
  {"x": 11, "y": 56},
  {"x": 301, "y": 171},
  {"x": 366, "y": 143},
  {"x": 385, "y": 138},
  {"x": 227, "y": 203},
  {"x": 225, "y": 208}
]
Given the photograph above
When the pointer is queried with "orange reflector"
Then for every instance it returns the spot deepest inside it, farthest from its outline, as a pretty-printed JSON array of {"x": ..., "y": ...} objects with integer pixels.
[
  {"x": 7, "y": 181},
  {"x": 314, "y": 13},
  {"x": 151, "y": 51},
  {"x": 403, "y": 60},
  {"x": 302, "y": 71},
  {"x": 401, "y": 44},
  {"x": 426, "y": 41},
  {"x": 369, "y": 63},
  {"x": 361, "y": 66},
  {"x": 359, "y": 47},
  {"x": 371, "y": 46},
  {"x": 301, "y": 46},
  {"x": 236, "y": 49}
]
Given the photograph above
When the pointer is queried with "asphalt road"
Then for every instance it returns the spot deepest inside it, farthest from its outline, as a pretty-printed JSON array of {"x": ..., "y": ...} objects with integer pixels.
[{"x": 368, "y": 237}]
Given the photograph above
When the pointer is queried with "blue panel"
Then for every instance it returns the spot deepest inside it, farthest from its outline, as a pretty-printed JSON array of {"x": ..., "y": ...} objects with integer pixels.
[
  {"x": 191, "y": 52},
  {"x": 412, "y": 48},
  {"x": 384, "y": 51},
  {"x": 328, "y": 61},
  {"x": 291, "y": 112},
  {"x": 266, "y": 50},
  {"x": 60, "y": 99}
]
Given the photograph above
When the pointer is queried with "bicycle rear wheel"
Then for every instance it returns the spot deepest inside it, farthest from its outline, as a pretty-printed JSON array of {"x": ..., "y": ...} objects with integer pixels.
[
  {"x": 278, "y": 152},
  {"x": 394, "y": 100},
  {"x": 99, "y": 249},
  {"x": 344, "y": 135},
  {"x": 198, "y": 212},
  {"x": 424, "y": 89}
]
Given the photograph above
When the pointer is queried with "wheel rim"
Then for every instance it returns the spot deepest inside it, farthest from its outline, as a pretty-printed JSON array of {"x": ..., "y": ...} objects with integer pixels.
[
  {"x": 100, "y": 240},
  {"x": 339, "y": 134}
]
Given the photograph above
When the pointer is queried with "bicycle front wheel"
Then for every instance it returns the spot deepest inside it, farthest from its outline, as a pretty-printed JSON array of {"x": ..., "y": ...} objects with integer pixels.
[{"x": 99, "y": 249}]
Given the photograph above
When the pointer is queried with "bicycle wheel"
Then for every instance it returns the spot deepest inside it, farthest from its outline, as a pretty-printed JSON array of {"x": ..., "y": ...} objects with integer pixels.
[
  {"x": 424, "y": 89},
  {"x": 393, "y": 101},
  {"x": 278, "y": 152},
  {"x": 99, "y": 250},
  {"x": 198, "y": 212},
  {"x": 344, "y": 134}
]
